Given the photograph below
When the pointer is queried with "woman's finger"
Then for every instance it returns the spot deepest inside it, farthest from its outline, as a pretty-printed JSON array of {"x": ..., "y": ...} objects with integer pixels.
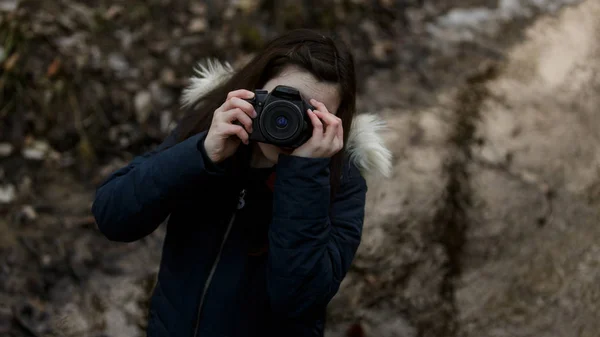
[
  {"x": 237, "y": 130},
  {"x": 236, "y": 102},
  {"x": 239, "y": 115},
  {"x": 339, "y": 143},
  {"x": 332, "y": 125},
  {"x": 340, "y": 133},
  {"x": 317, "y": 134},
  {"x": 320, "y": 106},
  {"x": 241, "y": 93},
  {"x": 324, "y": 113}
]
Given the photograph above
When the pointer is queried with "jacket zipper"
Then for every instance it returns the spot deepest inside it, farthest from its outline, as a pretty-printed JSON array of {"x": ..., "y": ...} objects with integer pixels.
[{"x": 240, "y": 205}]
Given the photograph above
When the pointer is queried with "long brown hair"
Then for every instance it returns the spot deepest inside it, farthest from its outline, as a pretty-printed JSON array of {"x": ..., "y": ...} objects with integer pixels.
[{"x": 328, "y": 59}]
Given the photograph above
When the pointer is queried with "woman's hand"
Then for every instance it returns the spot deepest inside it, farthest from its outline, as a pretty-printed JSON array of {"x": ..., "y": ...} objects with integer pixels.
[
  {"x": 328, "y": 135},
  {"x": 224, "y": 137}
]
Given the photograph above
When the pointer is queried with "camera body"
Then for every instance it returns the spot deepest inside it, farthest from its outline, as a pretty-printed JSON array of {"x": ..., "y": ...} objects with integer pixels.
[{"x": 281, "y": 117}]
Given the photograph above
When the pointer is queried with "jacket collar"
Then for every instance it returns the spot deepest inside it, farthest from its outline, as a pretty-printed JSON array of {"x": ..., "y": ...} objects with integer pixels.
[{"x": 366, "y": 147}]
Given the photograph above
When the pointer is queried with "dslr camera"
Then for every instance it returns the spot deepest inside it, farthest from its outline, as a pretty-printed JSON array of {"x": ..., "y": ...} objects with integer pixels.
[{"x": 281, "y": 117}]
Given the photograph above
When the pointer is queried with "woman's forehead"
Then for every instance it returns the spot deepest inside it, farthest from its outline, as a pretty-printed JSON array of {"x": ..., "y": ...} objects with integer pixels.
[{"x": 308, "y": 86}]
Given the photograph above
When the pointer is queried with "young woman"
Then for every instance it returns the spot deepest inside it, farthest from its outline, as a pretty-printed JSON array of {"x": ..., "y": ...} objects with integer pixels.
[{"x": 258, "y": 237}]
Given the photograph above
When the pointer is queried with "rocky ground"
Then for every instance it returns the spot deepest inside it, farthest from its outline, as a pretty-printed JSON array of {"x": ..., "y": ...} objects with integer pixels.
[{"x": 488, "y": 226}]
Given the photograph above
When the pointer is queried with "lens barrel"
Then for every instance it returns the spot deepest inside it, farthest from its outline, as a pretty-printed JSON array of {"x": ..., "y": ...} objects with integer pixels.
[{"x": 281, "y": 120}]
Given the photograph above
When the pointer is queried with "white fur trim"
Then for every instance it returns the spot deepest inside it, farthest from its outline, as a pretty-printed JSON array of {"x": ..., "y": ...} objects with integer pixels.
[
  {"x": 366, "y": 147},
  {"x": 209, "y": 76}
]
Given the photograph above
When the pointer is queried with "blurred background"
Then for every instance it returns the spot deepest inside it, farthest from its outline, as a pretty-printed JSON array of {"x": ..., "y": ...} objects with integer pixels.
[{"x": 489, "y": 225}]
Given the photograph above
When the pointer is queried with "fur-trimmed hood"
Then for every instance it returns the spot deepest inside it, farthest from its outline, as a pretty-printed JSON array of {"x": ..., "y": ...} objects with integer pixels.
[{"x": 365, "y": 146}]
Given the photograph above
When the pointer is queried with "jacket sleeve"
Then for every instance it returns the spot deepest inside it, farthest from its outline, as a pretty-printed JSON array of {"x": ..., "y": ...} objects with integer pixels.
[
  {"x": 311, "y": 246},
  {"x": 134, "y": 200}
]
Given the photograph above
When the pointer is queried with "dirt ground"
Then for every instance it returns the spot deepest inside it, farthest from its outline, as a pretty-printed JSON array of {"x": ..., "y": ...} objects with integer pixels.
[{"x": 488, "y": 226}]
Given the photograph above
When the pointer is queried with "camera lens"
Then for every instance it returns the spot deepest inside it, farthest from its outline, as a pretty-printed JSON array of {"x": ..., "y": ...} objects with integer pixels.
[{"x": 281, "y": 122}]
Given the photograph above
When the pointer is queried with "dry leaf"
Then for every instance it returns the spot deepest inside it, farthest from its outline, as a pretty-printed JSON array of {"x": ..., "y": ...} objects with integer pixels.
[
  {"x": 11, "y": 61},
  {"x": 112, "y": 12},
  {"x": 53, "y": 68},
  {"x": 371, "y": 279}
]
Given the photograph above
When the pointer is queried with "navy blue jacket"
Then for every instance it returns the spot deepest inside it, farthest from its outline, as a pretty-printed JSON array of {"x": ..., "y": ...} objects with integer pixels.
[{"x": 207, "y": 284}]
